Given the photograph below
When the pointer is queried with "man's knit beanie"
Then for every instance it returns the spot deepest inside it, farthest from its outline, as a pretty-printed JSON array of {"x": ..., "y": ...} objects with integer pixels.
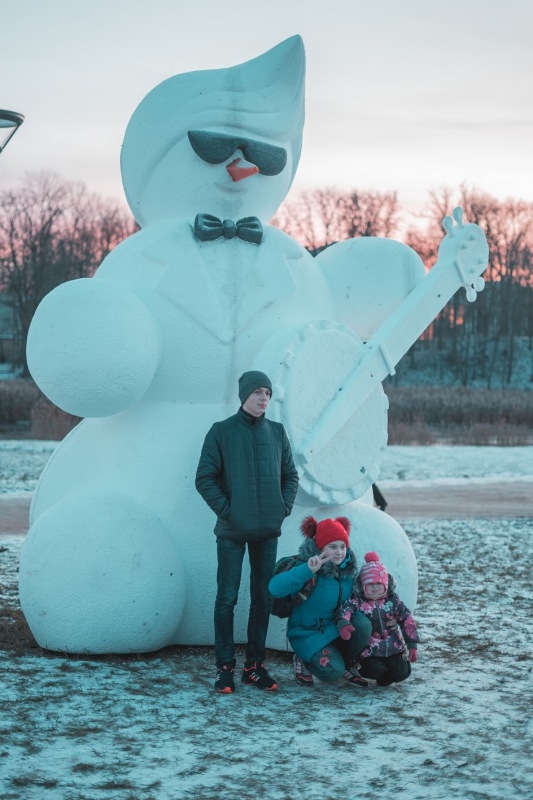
[{"x": 250, "y": 381}]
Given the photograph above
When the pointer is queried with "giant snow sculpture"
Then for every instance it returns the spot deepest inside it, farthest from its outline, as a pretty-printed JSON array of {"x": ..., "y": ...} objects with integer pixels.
[{"x": 120, "y": 556}]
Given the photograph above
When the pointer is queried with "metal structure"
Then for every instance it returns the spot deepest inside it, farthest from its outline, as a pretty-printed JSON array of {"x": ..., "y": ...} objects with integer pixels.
[{"x": 10, "y": 122}]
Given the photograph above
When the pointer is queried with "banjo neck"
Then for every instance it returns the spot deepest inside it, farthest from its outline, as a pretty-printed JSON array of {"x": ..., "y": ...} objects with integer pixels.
[{"x": 462, "y": 258}]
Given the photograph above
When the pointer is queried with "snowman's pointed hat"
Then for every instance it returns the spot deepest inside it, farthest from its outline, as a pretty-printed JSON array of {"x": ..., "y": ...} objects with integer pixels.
[{"x": 262, "y": 98}]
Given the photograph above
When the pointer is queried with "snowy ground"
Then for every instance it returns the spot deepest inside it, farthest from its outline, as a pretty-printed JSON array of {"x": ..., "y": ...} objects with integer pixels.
[
  {"x": 22, "y": 461},
  {"x": 151, "y": 728}
]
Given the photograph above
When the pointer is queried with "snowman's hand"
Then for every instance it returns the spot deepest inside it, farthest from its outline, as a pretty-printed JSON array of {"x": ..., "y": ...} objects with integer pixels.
[{"x": 93, "y": 347}]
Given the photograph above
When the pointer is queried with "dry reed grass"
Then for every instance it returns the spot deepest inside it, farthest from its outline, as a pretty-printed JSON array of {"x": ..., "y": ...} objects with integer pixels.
[
  {"x": 90, "y": 727},
  {"x": 17, "y": 398},
  {"x": 459, "y": 415},
  {"x": 50, "y": 422},
  {"x": 417, "y": 415}
]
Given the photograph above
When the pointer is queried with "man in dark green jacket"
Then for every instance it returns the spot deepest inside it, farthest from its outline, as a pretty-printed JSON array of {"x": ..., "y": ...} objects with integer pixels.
[{"x": 247, "y": 476}]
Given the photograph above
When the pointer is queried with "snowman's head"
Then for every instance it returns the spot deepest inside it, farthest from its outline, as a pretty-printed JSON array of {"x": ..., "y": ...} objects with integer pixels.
[{"x": 187, "y": 131}]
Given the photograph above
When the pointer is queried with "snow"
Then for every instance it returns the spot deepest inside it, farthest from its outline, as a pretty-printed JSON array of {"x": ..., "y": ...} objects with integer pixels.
[
  {"x": 22, "y": 463},
  {"x": 151, "y": 727},
  {"x": 451, "y": 464},
  {"x": 406, "y": 465}
]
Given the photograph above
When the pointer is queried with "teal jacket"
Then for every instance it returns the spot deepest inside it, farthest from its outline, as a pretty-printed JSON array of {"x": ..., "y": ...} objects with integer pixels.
[
  {"x": 311, "y": 625},
  {"x": 246, "y": 475}
]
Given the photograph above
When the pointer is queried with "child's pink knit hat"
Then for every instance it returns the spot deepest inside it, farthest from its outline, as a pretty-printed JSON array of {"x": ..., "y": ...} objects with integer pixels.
[{"x": 373, "y": 571}]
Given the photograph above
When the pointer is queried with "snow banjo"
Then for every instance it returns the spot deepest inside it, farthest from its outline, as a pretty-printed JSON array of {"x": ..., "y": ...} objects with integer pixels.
[{"x": 327, "y": 382}]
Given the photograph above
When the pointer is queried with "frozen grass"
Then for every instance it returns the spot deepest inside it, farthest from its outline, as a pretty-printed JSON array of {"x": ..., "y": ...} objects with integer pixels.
[
  {"x": 22, "y": 461},
  {"x": 151, "y": 728},
  {"x": 21, "y": 464}
]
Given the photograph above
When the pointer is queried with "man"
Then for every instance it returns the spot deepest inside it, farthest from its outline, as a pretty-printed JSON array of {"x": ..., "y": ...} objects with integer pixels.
[{"x": 247, "y": 476}]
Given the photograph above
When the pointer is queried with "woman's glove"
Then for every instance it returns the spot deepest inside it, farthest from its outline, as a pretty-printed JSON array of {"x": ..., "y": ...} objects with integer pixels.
[{"x": 412, "y": 655}]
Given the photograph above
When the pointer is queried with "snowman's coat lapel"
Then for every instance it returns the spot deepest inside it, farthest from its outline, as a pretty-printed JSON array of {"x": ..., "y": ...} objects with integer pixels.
[
  {"x": 185, "y": 280},
  {"x": 269, "y": 279},
  {"x": 187, "y": 283}
]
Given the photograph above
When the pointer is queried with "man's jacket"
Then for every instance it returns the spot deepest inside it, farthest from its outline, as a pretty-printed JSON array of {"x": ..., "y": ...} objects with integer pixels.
[{"x": 246, "y": 475}]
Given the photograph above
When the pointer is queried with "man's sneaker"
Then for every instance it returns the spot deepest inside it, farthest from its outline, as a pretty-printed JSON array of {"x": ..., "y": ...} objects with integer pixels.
[
  {"x": 354, "y": 678},
  {"x": 301, "y": 673},
  {"x": 256, "y": 675},
  {"x": 224, "y": 680}
]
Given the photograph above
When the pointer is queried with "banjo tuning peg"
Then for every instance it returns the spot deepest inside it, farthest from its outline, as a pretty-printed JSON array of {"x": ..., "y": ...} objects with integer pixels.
[{"x": 457, "y": 214}]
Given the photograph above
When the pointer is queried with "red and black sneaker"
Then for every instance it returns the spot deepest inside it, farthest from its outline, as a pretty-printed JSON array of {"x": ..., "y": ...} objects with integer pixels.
[
  {"x": 224, "y": 682},
  {"x": 256, "y": 675},
  {"x": 354, "y": 678},
  {"x": 301, "y": 672}
]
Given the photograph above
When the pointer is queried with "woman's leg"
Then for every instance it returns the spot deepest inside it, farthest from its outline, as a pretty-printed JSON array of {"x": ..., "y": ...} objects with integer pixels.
[{"x": 327, "y": 665}]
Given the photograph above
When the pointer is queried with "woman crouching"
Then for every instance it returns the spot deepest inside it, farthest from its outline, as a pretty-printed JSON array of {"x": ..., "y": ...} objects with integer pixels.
[{"x": 326, "y": 559}]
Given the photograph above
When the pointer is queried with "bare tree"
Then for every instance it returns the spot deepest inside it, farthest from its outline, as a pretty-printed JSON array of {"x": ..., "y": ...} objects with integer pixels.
[
  {"x": 319, "y": 217},
  {"x": 52, "y": 231},
  {"x": 370, "y": 214},
  {"x": 476, "y": 338}
]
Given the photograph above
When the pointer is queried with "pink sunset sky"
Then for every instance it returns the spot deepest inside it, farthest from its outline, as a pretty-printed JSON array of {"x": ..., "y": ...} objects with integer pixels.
[{"x": 404, "y": 95}]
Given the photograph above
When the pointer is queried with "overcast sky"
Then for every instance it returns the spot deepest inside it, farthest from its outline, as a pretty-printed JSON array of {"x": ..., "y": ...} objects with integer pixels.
[{"x": 403, "y": 95}]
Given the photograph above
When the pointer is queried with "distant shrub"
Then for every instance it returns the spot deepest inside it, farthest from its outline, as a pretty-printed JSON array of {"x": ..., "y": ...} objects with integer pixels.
[
  {"x": 410, "y": 433},
  {"x": 417, "y": 414},
  {"x": 459, "y": 415},
  {"x": 459, "y": 405},
  {"x": 50, "y": 422},
  {"x": 17, "y": 398},
  {"x": 22, "y": 402}
]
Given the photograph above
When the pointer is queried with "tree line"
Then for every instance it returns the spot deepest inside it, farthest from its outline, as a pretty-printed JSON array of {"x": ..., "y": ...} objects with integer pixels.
[
  {"x": 476, "y": 343},
  {"x": 52, "y": 231}
]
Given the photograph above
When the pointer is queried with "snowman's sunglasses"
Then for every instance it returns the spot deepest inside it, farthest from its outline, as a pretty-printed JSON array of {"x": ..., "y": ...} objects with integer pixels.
[{"x": 218, "y": 147}]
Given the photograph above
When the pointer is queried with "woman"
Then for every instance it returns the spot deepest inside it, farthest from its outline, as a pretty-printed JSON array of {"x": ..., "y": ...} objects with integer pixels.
[{"x": 326, "y": 556}]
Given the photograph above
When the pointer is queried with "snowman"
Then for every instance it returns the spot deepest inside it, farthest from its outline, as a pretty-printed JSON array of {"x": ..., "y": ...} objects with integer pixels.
[{"x": 120, "y": 556}]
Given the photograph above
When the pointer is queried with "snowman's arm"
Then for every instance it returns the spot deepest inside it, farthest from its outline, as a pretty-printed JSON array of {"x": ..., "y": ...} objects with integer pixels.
[
  {"x": 208, "y": 475},
  {"x": 93, "y": 347}
]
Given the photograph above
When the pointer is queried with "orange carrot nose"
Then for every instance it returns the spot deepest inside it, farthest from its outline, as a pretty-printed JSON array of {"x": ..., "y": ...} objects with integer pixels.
[{"x": 239, "y": 173}]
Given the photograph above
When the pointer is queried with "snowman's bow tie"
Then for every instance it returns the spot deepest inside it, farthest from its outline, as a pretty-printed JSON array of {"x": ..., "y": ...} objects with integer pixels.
[{"x": 207, "y": 227}]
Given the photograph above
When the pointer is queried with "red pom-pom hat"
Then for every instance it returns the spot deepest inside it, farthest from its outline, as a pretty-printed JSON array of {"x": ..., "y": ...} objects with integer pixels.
[{"x": 327, "y": 531}]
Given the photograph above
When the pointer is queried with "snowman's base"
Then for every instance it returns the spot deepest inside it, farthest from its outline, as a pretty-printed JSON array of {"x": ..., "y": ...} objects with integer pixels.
[{"x": 99, "y": 574}]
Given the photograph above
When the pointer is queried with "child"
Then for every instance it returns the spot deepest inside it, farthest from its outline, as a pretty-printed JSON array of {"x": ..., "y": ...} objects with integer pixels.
[{"x": 373, "y": 595}]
